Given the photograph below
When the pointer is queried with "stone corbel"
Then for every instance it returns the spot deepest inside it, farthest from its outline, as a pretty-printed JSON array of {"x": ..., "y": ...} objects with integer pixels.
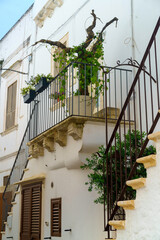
[
  {"x": 47, "y": 11},
  {"x": 39, "y": 23},
  {"x": 48, "y": 143},
  {"x": 75, "y": 130},
  {"x": 60, "y": 137},
  {"x": 38, "y": 149},
  {"x": 31, "y": 151}
]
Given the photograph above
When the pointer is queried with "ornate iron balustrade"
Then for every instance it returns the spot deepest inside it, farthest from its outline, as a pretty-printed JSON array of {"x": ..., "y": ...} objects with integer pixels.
[
  {"x": 139, "y": 114},
  {"x": 71, "y": 93}
]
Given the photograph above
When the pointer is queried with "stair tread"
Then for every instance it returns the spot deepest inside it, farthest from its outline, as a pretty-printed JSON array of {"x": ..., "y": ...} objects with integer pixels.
[
  {"x": 154, "y": 136},
  {"x": 25, "y": 169},
  {"x": 127, "y": 204},
  {"x": 148, "y": 161},
  {"x": 136, "y": 183},
  {"x": 17, "y": 192},
  {"x": 117, "y": 224}
]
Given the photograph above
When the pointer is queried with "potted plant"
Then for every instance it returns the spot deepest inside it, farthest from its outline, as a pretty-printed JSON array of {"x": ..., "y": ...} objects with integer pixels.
[
  {"x": 35, "y": 85},
  {"x": 42, "y": 82},
  {"x": 57, "y": 96},
  {"x": 89, "y": 52},
  {"x": 28, "y": 94}
]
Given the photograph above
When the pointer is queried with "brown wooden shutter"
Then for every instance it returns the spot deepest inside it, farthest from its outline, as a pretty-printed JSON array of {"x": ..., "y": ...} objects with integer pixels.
[
  {"x": 8, "y": 197},
  {"x": 11, "y": 105},
  {"x": 56, "y": 217},
  {"x": 36, "y": 212},
  {"x": 26, "y": 214},
  {"x": 31, "y": 212}
]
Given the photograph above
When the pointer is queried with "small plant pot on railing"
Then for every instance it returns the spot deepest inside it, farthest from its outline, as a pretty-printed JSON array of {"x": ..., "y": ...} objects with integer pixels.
[
  {"x": 41, "y": 85},
  {"x": 29, "y": 97}
]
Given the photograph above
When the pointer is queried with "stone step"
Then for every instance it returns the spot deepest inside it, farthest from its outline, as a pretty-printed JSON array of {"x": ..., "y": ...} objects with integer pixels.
[
  {"x": 117, "y": 224},
  {"x": 154, "y": 136},
  {"x": 10, "y": 213},
  {"x": 25, "y": 170},
  {"x": 148, "y": 161},
  {"x": 136, "y": 183},
  {"x": 17, "y": 192},
  {"x": 127, "y": 205}
]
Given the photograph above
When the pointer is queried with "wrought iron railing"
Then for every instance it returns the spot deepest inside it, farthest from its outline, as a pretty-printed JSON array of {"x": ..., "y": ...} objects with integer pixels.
[
  {"x": 139, "y": 116},
  {"x": 72, "y": 93},
  {"x": 47, "y": 110},
  {"x": 17, "y": 172}
]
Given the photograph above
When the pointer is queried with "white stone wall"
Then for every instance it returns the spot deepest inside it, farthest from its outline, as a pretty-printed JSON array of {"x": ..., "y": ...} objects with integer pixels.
[
  {"x": 14, "y": 50},
  {"x": 143, "y": 221},
  {"x": 136, "y": 22},
  {"x": 62, "y": 167}
]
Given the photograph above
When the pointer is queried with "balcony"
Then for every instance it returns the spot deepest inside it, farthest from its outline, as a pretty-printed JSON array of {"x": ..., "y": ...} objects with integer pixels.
[
  {"x": 73, "y": 95},
  {"x": 54, "y": 118}
]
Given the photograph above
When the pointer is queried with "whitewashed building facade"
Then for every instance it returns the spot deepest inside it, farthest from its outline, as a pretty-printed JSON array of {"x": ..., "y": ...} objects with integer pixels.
[{"x": 58, "y": 147}]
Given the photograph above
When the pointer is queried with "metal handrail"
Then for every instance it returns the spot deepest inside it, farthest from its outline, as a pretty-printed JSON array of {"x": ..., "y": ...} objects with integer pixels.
[
  {"x": 142, "y": 123},
  {"x": 25, "y": 139}
]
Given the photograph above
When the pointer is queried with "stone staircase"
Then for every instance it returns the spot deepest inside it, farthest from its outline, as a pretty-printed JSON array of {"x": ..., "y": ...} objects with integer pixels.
[{"x": 143, "y": 213}]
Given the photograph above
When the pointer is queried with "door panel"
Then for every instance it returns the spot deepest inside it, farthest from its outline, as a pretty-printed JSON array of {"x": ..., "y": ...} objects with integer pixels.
[{"x": 31, "y": 212}]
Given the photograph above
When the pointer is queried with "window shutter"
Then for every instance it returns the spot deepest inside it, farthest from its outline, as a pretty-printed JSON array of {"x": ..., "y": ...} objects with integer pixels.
[
  {"x": 26, "y": 214},
  {"x": 57, "y": 68},
  {"x": 56, "y": 217},
  {"x": 11, "y": 105},
  {"x": 31, "y": 212},
  {"x": 36, "y": 212}
]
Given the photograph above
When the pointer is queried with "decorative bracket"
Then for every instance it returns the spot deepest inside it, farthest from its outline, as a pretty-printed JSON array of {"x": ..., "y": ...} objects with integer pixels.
[
  {"x": 48, "y": 143},
  {"x": 61, "y": 138},
  {"x": 75, "y": 130},
  {"x": 47, "y": 11}
]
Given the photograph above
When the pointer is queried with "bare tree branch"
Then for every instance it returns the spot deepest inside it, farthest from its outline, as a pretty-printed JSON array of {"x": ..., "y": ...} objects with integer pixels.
[
  {"x": 89, "y": 31},
  {"x": 90, "y": 36},
  {"x": 99, "y": 39},
  {"x": 53, "y": 43}
]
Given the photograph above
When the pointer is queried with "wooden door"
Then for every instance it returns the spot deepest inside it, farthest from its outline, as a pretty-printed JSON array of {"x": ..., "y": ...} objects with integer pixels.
[
  {"x": 8, "y": 197},
  {"x": 31, "y": 212}
]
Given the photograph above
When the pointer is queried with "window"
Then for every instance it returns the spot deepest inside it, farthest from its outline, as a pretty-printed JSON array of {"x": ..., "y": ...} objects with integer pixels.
[
  {"x": 31, "y": 212},
  {"x": 55, "y": 65},
  {"x": 11, "y": 105},
  {"x": 5, "y": 180},
  {"x": 56, "y": 217},
  {"x": 57, "y": 68}
]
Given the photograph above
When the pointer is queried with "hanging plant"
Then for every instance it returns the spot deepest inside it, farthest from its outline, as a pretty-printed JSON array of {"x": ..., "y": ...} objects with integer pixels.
[{"x": 33, "y": 82}]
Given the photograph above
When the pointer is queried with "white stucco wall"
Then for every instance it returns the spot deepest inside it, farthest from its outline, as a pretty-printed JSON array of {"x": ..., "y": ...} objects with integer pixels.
[
  {"x": 136, "y": 22},
  {"x": 62, "y": 167},
  {"x": 14, "y": 51},
  {"x": 143, "y": 221}
]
